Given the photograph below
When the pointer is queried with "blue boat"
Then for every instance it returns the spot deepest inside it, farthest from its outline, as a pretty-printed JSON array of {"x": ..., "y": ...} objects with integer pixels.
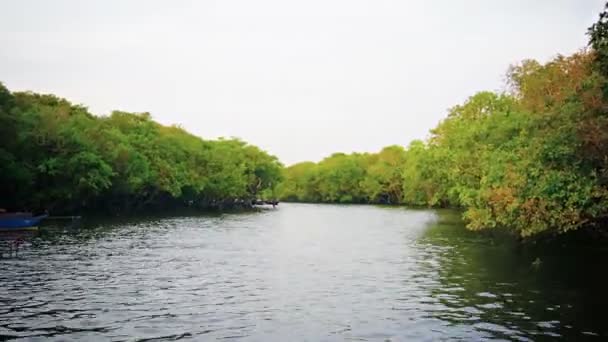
[{"x": 20, "y": 221}]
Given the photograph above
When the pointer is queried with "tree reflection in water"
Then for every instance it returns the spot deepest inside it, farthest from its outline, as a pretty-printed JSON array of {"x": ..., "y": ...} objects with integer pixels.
[{"x": 494, "y": 284}]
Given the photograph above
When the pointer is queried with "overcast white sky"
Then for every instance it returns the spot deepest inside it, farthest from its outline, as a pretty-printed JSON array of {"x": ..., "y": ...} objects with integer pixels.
[{"x": 301, "y": 79}]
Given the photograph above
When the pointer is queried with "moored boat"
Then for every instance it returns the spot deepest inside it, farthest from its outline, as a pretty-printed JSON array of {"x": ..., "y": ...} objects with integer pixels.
[{"x": 20, "y": 221}]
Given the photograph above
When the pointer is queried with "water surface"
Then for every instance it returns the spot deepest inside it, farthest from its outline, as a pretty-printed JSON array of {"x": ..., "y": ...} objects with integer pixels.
[{"x": 300, "y": 273}]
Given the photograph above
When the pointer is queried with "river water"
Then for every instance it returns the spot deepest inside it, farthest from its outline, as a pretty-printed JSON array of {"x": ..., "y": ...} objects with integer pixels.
[{"x": 301, "y": 272}]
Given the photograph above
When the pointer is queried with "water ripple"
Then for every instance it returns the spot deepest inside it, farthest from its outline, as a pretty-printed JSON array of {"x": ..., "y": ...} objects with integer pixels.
[{"x": 303, "y": 272}]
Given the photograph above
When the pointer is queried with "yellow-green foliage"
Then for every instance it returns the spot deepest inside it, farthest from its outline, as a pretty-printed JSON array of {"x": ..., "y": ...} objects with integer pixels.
[
  {"x": 347, "y": 178},
  {"x": 533, "y": 159}
]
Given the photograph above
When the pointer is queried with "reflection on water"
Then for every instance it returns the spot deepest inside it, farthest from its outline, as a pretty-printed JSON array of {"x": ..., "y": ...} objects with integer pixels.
[
  {"x": 302, "y": 272},
  {"x": 539, "y": 291}
]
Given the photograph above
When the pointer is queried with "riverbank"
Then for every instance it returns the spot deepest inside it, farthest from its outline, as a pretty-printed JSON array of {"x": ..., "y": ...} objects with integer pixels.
[
  {"x": 532, "y": 158},
  {"x": 58, "y": 156}
]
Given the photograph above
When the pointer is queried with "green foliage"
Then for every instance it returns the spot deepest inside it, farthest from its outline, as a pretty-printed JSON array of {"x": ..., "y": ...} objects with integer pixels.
[
  {"x": 533, "y": 160},
  {"x": 383, "y": 182},
  {"x": 57, "y": 156},
  {"x": 342, "y": 178}
]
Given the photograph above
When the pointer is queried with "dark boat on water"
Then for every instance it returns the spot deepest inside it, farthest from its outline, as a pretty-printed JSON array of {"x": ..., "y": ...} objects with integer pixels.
[{"x": 19, "y": 221}]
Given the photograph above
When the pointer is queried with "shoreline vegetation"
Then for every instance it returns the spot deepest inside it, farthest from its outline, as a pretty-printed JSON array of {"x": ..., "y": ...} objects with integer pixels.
[
  {"x": 57, "y": 156},
  {"x": 532, "y": 160}
]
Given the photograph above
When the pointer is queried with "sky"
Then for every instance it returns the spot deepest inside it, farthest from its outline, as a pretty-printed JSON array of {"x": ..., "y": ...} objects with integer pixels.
[{"x": 300, "y": 79}]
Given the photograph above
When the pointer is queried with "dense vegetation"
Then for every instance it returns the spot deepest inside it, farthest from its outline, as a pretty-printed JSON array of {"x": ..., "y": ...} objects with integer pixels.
[
  {"x": 533, "y": 158},
  {"x": 342, "y": 178},
  {"x": 57, "y": 156}
]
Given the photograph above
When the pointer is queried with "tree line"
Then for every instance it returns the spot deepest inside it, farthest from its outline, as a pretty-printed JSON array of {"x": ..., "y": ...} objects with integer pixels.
[
  {"x": 533, "y": 158},
  {"x": 57, "y": 156}
]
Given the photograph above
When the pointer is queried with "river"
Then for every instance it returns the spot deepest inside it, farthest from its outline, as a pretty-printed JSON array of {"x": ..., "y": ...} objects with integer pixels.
[{"x": 301, "y": 272}]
